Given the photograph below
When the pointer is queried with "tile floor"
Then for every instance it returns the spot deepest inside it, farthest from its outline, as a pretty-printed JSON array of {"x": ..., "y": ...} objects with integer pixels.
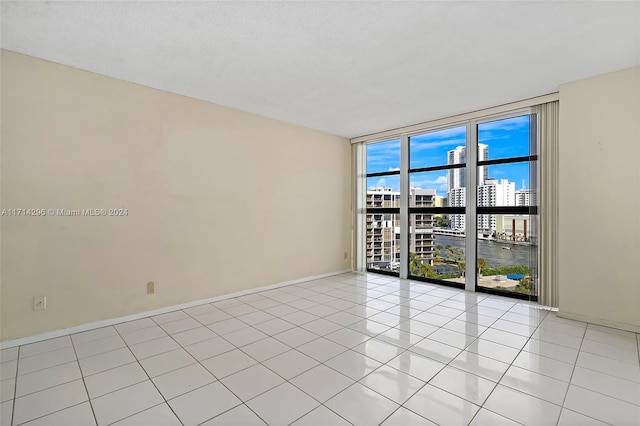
[{"x": 350, "y": 349}]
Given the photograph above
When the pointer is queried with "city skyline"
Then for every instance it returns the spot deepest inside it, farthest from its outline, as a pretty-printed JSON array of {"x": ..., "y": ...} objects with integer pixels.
[{"x": 505, "y": 138}]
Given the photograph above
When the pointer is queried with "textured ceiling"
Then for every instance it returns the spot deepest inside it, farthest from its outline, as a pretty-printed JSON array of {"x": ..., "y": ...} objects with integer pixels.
[{"x": 348, "y": 68}]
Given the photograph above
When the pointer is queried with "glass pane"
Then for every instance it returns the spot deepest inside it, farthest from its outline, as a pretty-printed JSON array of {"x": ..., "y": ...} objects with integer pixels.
[
  {"x": 507, "y": 256},
  {"x": 506, "y": 185},
  {"x": 444, "y": 195},
  {"x": 421, "y": 245},
  {"x": 383, "y": 230},
  {"x": 435, "y": 182},
  {"x": 383, "y": 156},
  {"x": 381, "y": 196},
  {"x": 438, "y": 148},
  {"x": 383, "y": 242},
  {"x": 384, "y": 184},
  {"x": 445, "y": 249},
  {"x": 504, "y": 138}
]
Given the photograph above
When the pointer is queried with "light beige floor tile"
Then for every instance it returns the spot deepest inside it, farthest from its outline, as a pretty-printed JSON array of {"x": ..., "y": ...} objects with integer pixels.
[
  {"x": 112, "y": 380},
  {"x": 47, "y": 378},
  {"x": 160, "y": 415},
  {"x": 48, "y": 401},
  {"x": 203, "y": 403},
  {"x": 183, "y": 380},
  {"x": 80, "y": 414},
  {"x": 125, "y": 402}
]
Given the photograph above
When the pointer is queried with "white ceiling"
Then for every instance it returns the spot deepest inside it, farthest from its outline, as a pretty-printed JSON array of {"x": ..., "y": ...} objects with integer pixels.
[{"x": 348, "y": 68}]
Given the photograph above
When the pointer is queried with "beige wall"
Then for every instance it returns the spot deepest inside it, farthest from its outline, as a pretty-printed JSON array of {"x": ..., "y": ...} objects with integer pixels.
[
  {"x": 600, "y": 199},
  {"x": 218, "y": 200}
]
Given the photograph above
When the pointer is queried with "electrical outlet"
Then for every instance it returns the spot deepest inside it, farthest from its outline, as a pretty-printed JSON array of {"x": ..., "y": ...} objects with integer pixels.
[
  {"x": 151, "y": 287},
  {"x": 40, "y": 303}
]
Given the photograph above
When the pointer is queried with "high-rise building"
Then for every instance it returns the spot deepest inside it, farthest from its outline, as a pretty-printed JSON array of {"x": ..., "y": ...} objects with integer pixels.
[
  {"x": 457, "y": 198},
  {"x": 421, "y": 224},
  {"x": 493, "y": 193},
  {"x": 383, "y": 230},
  {"x": 483, "y": 155},
  {"x": 383, "y": 247},
  {"x": 496, "y": 192},
  {"x": 456, "y": 180},
  {"x": 526, "y": 197}
]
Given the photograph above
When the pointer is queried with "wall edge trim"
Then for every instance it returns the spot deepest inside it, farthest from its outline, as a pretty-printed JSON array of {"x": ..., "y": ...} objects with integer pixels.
[
  {"x": 600, "y": 321},
  {"x": 145, "y": 314}
]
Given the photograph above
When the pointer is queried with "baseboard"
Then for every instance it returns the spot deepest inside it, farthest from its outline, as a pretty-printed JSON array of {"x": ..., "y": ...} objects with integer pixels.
[
  {"x": 600, "y": 321},
  {"x": 104, "y": 323}
]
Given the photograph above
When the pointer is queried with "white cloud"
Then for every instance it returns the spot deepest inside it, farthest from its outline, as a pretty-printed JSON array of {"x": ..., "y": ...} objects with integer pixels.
[
  {"x": 432, "y": 145},
  {"x": 380, "y": 183},
  {"x": 439, "y": 183}
]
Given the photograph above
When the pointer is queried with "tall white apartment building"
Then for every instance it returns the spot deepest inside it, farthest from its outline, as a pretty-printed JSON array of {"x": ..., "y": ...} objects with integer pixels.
[
  {"x": 526, "y": 197},
  {"x": 456, "y": 180},
  {"x": 457, "y": 198},
  {"x": 483, "y": 155},
  {"x": 494, "y": 193}
]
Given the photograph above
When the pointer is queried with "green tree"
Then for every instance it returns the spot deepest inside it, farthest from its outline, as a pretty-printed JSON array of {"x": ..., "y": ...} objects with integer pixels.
[
  {"x": 414, "y": 264},
  {"x": 419, "y": 269},
  {"x": 442, "y": 222},
  {"x": 482, "y": 265},
  {"x": 506, "y": 270},
  {"x": 427, "y": 270},
  {"x": 454, "y": 254},
  {"x": 524, "y": 286},
  {"x": 438, "y": 253}
]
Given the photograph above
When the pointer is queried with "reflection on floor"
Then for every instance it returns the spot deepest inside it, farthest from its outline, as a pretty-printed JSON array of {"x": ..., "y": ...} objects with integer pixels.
[{"x": 353, "y": 348}]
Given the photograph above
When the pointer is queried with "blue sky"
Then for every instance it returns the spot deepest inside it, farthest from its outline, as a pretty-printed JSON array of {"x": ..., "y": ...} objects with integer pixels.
[{"x": 505, "y": 138}]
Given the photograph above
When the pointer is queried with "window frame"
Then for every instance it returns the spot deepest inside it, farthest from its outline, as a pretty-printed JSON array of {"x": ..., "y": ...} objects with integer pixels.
[
  {"x": 395, "y": 211},
  {"x": 471, "y": 210}
]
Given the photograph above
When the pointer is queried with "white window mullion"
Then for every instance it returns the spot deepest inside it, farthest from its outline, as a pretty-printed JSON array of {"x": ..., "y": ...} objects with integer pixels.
[
  {"x": 471, "y": 197},
  {"x": 404, "y": 206}
]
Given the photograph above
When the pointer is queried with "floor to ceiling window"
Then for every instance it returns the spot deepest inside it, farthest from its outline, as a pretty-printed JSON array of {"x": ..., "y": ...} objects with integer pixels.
[
  {"x": 437, "y": 167},
  {"x": 507, "y": 246},
  {"x": 484, "y": 239},
  {"x": 383, "y": 207}
]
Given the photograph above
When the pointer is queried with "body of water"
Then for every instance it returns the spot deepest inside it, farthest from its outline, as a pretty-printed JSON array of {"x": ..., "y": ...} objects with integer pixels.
[{"x": 491, "y": 251}]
